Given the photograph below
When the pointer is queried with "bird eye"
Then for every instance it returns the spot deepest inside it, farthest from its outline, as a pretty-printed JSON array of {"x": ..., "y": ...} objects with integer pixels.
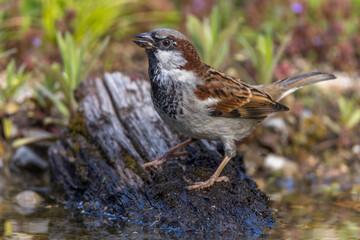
[{"x": 166, "y": 43}]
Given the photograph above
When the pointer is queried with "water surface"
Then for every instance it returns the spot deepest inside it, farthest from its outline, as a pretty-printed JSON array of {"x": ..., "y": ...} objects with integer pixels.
[{"x": 300, "y": 214}]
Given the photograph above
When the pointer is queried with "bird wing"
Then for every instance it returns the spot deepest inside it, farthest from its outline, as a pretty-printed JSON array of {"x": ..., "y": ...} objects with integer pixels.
[{"x": 231, "y": 98}]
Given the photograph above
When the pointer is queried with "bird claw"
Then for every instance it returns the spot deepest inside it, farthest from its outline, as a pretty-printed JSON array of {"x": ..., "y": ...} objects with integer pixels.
[
  {"x": 155, "y": 163},
  {"x": 208, "y": 183},
  {"x": 161, "y": 160}
]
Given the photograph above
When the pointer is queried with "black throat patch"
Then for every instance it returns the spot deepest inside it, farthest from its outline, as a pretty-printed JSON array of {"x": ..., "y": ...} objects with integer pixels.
[{"x": 167, "y": 98}]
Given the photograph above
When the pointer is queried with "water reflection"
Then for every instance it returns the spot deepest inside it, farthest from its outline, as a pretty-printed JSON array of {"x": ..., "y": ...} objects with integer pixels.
[
  {"x": 26, "y": 229},
  {"x": 300, "y": 214},
  {"x": 304, "y": 215}
]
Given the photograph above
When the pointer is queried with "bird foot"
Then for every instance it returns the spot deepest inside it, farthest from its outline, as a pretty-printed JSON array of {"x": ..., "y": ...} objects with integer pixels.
[
  {"x": 155, "y": 162},
  {"x": 161, "y": 160},
  {"x": 208, "y": 183}
]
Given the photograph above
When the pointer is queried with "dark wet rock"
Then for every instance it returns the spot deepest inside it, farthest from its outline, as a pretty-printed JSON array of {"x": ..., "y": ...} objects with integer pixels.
[
  {"x": 26, "y": 159},
  {"x": 96, "y": 166}
]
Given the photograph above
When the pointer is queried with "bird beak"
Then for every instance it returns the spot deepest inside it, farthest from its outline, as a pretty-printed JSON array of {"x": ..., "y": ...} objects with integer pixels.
[{"x": 144, "y": 40}]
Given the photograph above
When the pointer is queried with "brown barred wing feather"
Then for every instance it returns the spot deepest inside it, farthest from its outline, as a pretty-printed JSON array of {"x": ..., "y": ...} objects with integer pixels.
[{"x": 235, "y": 99}]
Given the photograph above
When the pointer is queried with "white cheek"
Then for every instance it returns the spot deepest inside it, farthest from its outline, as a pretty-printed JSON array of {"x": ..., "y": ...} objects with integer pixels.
[
  {"x": 170, "y": 63},
  {"x": 170, "y": 60}
]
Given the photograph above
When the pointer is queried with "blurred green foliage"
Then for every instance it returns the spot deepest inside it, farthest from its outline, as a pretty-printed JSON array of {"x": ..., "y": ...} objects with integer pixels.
[
  {"x": 349, "y": 115},
  {"x": 15, "y": 79},
  {"x": 58, "y": 41},
  {"x": 212, "y": 35},
  {"x": 75, "y": 69},
  {"x": 263, "y": 56},
  {"x": 97, "y": 16},
  {"x": 349, "y": 112},
  {"x": 46, "y": 86},
  {"x": 79, "y": 17},
  {"x": 44, "y": 18}
]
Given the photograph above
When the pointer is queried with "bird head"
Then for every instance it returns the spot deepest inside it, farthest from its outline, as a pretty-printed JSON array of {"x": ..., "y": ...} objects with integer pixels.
[{"x": 169, "y": 49}]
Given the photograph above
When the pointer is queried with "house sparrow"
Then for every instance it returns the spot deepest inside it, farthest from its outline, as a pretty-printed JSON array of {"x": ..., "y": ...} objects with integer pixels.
[{"x": 204, "y": 103}]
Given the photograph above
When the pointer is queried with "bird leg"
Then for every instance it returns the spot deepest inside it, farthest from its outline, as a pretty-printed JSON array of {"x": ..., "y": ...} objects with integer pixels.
[
  {"x": 169, "y": 154},
  {"x": 214, "y": 178}
]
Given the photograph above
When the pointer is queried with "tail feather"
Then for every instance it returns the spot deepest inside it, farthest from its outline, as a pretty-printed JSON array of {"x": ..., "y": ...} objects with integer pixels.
[
  {"x": 304, "y": 79},
  {"x": 282, "y": 88}
]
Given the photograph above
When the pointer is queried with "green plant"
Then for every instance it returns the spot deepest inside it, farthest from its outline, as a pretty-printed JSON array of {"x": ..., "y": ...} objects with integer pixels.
[
  {"x": 211, "y": 36},
  {"x": 75, "y": 69},
  {"x": 59, "y": 84},
  {"x": 349, "y": 112},
  {"x": 15, "y": 79},
  {"x": 263, "y": 56},
  {"x": 83, "y": 16},
  {"x": 48, "y": 92},
  {"x": 349, "y": 116},
  {"x": 98, "y": 17}
]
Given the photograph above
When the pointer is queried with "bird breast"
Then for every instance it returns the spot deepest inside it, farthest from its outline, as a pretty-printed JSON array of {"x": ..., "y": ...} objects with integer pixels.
[
  {"x": 167, "y": 97},
  {"x": 175, "y": 102}
]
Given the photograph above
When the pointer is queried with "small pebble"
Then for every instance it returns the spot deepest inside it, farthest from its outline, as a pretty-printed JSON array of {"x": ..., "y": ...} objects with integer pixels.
[
  {"x": 278, "y": 124},
  {"x": 280, "y": 163},
  {"x": 28, "y": 199},
  {"x": 26, "y": 159},
  {"x": 356, "y": 149}
]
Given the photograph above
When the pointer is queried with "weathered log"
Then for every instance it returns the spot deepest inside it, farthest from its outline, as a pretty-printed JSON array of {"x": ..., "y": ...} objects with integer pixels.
[{"x": 97, "y": 162}]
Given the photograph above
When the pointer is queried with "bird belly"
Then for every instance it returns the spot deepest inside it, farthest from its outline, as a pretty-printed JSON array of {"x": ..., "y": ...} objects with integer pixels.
[{"x": 196, "y": 123}]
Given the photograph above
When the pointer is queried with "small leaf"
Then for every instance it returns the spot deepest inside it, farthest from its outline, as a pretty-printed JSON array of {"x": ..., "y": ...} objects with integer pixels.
[
  {"x": 24, "y": 141},
  {"x": 214, "y": 22},
  {"x": 56, "y": 121},
  {"x": 281, "y": 50},
  {"x": 14, "y": 80},
  {"x": 332, "y": 125},
  {"x": 250, "y": 50},
  {"x": 7, "y": 128},
  {"x": 196, "y": 32},
  {"x": 10, "y": 70},
  {"x": 8, "y": 232},
  {"x": 95, "y": 54},
  {"x": 221, "y": 54},
  {"x": 353, "y": 120},
  {"x": 53, "y": 72},
  {"x": 56, "y": 101}
]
